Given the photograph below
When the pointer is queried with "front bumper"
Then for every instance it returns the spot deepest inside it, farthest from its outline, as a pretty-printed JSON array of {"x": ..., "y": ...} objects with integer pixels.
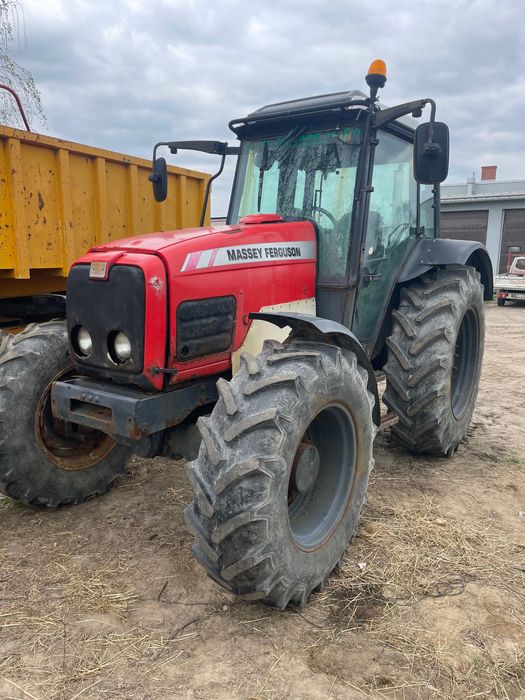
[{"x": 126, "y": 412}]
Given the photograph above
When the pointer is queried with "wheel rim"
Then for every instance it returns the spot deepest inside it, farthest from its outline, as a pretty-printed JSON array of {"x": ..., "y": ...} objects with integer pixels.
[
  {"x": 315, "y": 513},
  {"x": 465, "y": 364},
  {"x": 67, "y": 445}
]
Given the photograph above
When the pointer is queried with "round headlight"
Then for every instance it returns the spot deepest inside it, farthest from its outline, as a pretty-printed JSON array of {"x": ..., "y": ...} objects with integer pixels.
[
  {"x": 84, "y": 342},
  {"x": 122, "y": 346}
]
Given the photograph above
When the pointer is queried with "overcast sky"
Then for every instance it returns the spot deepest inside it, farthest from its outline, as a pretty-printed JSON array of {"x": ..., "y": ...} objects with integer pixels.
[{"x": 123, "y": 74}]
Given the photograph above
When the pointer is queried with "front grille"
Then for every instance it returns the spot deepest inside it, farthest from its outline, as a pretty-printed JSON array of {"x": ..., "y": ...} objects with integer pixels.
[
  {"x": 106, "y": 306},
  {"x": 204, "y": 327}
]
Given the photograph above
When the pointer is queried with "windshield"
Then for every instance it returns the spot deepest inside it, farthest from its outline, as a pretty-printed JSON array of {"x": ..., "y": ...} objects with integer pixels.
[{"x": 303, "y": 174}]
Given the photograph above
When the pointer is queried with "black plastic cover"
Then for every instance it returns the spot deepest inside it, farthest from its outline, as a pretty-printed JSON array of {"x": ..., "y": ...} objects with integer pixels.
[
  {"x": 436, "y": 252},
  {"x": 103, "y": 307},
  {"x": 204, "y": 327}
]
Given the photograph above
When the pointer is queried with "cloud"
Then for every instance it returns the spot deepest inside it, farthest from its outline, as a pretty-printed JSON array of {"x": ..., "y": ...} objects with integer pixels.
[{"x": 125, "y": 74}]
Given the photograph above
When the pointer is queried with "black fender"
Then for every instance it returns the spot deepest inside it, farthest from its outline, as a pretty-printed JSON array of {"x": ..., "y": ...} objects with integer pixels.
[
  {"x": 326, "y": 331},
  {"x": 436, "y": 252}
]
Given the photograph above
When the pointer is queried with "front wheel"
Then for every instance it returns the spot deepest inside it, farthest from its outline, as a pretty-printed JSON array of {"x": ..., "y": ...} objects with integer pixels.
[
  {"x": 434, "y": 359},
  {"x": 282, "y": 471},
  {"x": 44, "y": 461}
]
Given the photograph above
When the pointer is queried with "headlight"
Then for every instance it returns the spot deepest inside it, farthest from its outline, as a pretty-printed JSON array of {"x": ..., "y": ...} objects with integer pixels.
[
  {"x": 84, "y": 342},
  {"x": 122, "y": 346}
]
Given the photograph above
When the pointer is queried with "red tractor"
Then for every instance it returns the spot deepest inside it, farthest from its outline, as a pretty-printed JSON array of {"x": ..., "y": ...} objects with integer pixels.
[{"x": 268, "y": 334}]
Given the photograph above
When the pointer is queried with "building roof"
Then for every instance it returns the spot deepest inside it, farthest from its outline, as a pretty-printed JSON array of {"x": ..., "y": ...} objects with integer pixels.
[{"x": 483, "y": 191}]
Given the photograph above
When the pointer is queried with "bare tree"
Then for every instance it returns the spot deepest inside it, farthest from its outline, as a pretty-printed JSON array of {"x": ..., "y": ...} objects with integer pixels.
[{"x": 13, "y": 74}]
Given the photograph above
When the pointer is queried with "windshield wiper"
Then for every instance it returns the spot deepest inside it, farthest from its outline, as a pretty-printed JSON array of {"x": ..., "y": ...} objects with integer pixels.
[
  {"x": 262, "y": 170},
  {"x": 285, "y": 145}
]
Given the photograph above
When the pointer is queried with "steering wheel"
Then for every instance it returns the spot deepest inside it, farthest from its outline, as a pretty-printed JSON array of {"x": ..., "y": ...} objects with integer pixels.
[{"x": 328, "y": 215}]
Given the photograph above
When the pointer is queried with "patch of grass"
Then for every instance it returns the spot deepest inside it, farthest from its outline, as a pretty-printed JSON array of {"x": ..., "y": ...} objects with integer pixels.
[{"x": 408, "y": 551}]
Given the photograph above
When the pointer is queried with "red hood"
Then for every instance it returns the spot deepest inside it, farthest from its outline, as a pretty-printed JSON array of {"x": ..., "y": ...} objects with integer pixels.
[{"x": 156, "y": 242}]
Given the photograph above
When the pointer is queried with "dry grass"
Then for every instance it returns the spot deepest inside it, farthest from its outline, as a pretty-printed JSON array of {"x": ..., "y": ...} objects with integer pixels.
[
  {"x": 407, "y": 549},
  {"x": 408, "y": 552}
]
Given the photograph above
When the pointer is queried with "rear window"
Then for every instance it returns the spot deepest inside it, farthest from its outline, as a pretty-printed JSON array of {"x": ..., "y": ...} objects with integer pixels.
[{"x": 520, "y": 263}]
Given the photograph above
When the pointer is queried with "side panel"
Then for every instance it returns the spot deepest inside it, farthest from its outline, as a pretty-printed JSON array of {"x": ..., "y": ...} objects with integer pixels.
[
  {"x": 262, "y": 330},
  {"x": 58, "y": 198},
  {"x": 259, "y": 265}
]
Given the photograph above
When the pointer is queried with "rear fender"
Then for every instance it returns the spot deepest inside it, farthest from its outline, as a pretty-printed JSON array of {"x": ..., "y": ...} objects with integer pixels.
[
  {"x": 326, "y": 331},
  {"x": 437, "y": 252}
]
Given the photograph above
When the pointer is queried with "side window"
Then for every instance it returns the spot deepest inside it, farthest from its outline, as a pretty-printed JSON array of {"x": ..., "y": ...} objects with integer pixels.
[
  {"x": 391, "y": 225},
  {"x": 426, "y": 210}
]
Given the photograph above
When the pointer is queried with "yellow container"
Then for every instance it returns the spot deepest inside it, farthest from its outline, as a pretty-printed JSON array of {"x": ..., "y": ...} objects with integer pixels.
[{"x": 58, "y": 199}]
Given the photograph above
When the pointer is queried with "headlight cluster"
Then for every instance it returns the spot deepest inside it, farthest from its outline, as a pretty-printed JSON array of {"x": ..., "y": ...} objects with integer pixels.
[
  {"x": 122, "y": 346},
  {"x": 119, "y": 345}
]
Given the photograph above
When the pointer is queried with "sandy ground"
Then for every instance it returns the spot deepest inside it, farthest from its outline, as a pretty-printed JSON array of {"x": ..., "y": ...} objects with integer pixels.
[{"x": 105, "y": 601}]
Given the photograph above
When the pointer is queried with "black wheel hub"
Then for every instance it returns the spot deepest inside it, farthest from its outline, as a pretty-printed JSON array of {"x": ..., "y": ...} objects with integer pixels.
[
  {"x": 466, "y": 357},
  {"x": 306, "y": 468},
  {"x": 321, "y": 477}
]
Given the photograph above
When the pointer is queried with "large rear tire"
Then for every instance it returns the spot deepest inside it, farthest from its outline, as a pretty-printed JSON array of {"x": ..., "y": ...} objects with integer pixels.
[
  {"x": 434, "y": 359},
  {"x": 282, "y": 471},
  {"x": 44, "y": 461}
]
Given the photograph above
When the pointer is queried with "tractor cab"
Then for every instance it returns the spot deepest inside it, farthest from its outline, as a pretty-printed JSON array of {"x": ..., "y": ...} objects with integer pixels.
[
  {"x": 347, "y": 164},
  {"x": 312, "y": 159}
]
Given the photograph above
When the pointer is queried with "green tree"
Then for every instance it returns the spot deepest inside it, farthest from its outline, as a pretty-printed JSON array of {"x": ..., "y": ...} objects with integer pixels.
[{"x": 13, "y": 74}]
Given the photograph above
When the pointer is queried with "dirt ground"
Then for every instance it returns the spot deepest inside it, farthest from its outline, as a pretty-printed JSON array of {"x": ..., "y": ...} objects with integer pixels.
[{"x": 104, "y": 600}]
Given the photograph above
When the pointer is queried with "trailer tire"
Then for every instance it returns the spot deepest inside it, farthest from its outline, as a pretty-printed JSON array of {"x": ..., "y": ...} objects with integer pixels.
[
  {"x": 266, "y": 527},
  {"x": 39, "y": 463},
  {"x": 434, "y": 359}
]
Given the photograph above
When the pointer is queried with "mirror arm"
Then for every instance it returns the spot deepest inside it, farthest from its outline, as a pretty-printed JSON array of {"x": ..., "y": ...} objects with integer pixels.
[
  {"x": 415, "y": 108},
  {"x": 212, "y": 147},
  {"x": 208, "y": 188}
]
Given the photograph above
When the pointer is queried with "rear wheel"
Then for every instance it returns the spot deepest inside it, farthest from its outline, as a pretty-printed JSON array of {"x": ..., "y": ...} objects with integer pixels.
[
  {"x": 45, "y": 461},
  {"x": 434, "y": 359},
  {"x": 282, "y": 471},
  {"x": 501, "y": 302}
]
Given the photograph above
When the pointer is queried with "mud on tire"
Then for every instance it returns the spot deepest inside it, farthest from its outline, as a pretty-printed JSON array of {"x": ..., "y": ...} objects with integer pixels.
[
  {"x": 39, "y": 463},
  {"x": 434, "y": 359},
  {"x": 262, "y": 531}
]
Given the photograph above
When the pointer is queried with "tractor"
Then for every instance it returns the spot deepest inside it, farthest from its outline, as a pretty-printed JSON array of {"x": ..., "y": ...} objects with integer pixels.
[{"x": 254, "y": 349}]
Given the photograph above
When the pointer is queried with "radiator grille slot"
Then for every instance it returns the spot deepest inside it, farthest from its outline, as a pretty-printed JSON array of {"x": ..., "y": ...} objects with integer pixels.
[{"x": 204, "y": 327}]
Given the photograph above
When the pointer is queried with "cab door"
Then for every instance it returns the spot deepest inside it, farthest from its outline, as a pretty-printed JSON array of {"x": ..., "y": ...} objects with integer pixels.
[{"x": 390, "y": 233}]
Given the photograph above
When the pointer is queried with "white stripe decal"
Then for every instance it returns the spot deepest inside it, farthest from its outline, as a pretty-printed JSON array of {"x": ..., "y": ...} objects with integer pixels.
[{"x": 253, "y": 253}]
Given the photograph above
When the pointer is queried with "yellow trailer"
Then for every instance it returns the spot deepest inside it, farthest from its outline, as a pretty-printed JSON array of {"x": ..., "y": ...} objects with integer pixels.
[{"x": 58, "y": 198}]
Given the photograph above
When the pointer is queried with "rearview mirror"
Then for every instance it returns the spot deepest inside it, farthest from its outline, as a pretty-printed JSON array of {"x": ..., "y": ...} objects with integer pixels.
[
  {"x": 431, "y": 150},
  {"x": 159, "y": 179}
]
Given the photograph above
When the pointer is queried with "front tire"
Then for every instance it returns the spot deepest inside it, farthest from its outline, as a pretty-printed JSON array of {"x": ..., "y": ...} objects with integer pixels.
[
  {"x": 282, "y": 471},
  {"x": 434, "y": 359},
  {"x": 44, "y": 461}
]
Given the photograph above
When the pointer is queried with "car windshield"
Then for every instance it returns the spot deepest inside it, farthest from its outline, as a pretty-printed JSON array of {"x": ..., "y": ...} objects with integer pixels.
[{"x": 303, "y": 174}]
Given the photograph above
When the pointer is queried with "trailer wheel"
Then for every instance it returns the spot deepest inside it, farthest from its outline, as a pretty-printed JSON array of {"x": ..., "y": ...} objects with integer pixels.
[
  {"x": 282, "y": 471},
  {"x": 500, "y": 302},
  {"x": 434, "y": 359},
  {"x": 44, "y": 461}
]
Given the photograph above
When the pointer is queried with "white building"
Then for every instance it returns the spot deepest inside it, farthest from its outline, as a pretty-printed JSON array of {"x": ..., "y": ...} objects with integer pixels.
[{"x": 489, "y": 210}]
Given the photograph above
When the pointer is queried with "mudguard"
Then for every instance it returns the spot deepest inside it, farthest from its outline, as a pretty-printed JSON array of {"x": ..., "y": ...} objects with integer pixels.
[
  {"x": 433, "y": 252},
  {"x": 324, "y": 330}
]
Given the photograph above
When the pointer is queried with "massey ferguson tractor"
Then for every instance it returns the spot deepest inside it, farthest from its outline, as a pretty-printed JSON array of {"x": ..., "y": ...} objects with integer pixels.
[{"x": 268, "y": 334}]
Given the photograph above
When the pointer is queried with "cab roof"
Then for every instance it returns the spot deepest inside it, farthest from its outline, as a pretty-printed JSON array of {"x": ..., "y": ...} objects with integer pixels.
[{"x": 319, "y": 105}]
